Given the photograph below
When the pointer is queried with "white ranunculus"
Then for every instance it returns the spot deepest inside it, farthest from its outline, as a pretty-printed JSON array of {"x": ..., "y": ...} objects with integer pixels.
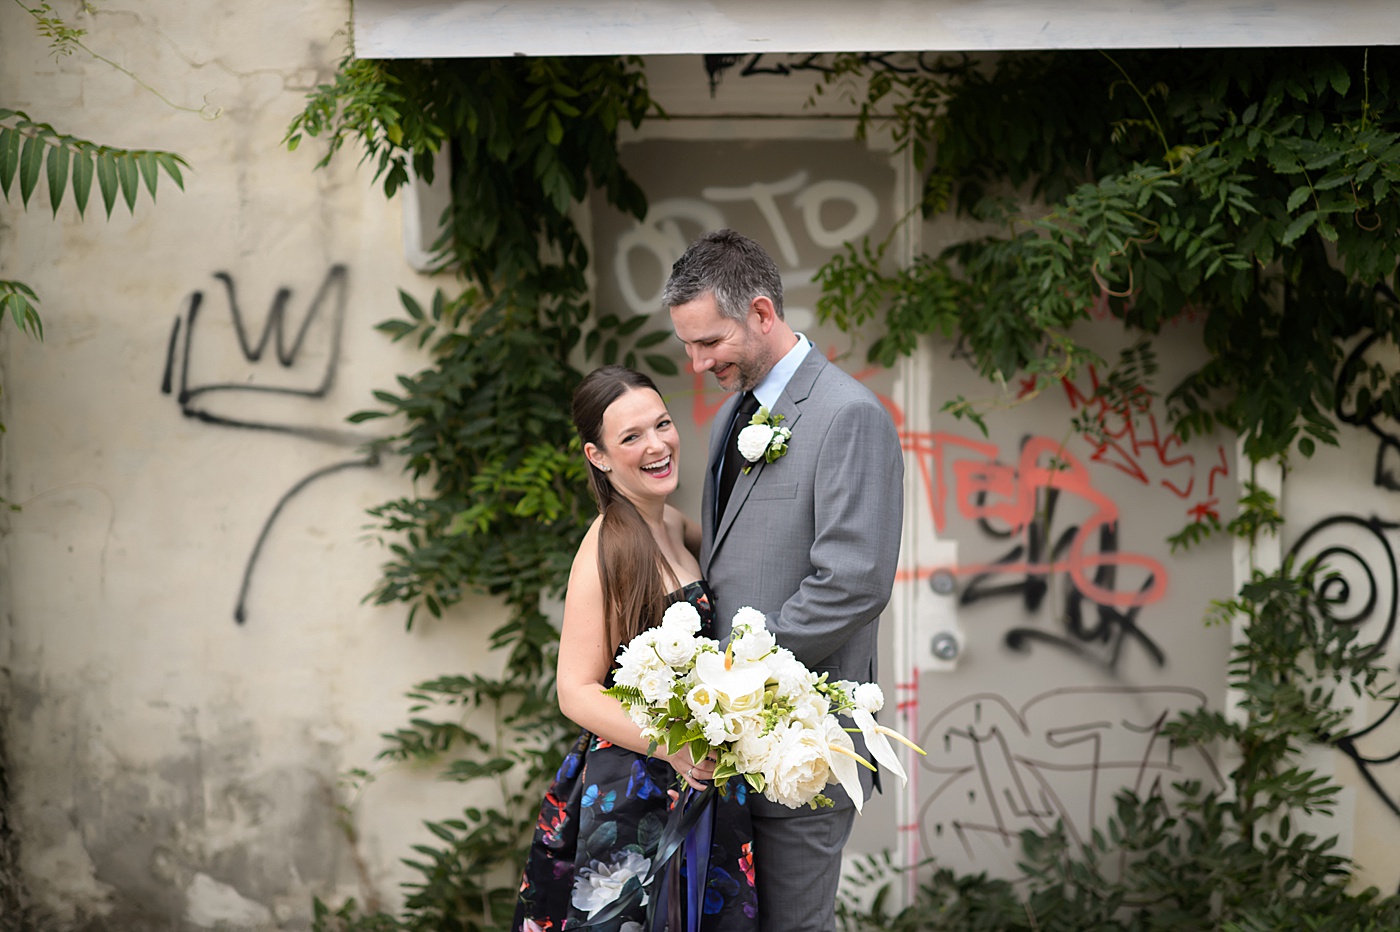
[
  {"x": 800, "y": 767},
  {"x": 599, "y": 884},
  {"x": 683, "y": 615},
  {"x": 675, "y": 647},
  {"x": 754, "y": 440},
  {"x": 749, "y": 617},
  {"x": 701, "y": 699},
  {"x": 869, "y": 697},
  {"x": 712, "y": 725},
  {"x": 656, "y": 685},
  {"x": 753, "y": 645},
  {"x": 639, "y": 716}
]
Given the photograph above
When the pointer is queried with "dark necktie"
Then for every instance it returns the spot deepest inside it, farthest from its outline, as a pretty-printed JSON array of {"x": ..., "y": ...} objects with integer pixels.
[{"x": 733, "y": 460}]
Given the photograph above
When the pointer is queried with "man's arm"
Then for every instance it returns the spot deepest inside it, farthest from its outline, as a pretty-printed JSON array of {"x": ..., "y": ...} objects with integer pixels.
[{"x": 858, "y": 500}]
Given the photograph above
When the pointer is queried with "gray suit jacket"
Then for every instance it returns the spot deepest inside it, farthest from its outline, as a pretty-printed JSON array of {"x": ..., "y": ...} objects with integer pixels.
[{"x": 812, "y": 539}]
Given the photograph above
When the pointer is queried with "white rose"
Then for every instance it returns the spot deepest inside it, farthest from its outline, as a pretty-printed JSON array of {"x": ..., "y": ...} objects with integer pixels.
[
  {"x": 675, "y": 647},
  {"x": 713, "y": 727},
  {"x": 868, "y": 696},
  {"x": 753, "y": 644},
  {"x": 800, "y": 766},
  {"x": 639, "y": 716},
  {"x": 656, "y": 685},
  {"x": 743, "y": 702},
  {"x": 701, "y": 699},
  {"x": 754, "y": 440},
  {"x": 682, "y": 615}
]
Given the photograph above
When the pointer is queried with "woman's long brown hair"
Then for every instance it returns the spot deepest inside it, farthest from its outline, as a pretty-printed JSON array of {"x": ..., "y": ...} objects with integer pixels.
[{"x": 635, "y": 575}]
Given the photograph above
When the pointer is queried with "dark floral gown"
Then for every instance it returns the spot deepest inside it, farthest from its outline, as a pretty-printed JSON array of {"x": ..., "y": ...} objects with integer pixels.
[{"x": 600, "y": 824}]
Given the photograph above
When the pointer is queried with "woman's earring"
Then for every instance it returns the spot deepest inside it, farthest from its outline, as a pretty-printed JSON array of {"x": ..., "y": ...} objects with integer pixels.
[{"x": 605, "y": 468}]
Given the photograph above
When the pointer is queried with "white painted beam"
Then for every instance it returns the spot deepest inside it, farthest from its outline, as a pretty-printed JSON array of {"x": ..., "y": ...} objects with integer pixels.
[{"x": 486, "y": 28}]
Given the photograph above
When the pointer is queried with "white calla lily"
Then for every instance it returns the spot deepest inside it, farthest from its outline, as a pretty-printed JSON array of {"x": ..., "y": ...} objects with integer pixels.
[
  {"x": 731, "y": 679},
  {"x": 843, "y": 760},
  {"x": 877, "y": 743}
]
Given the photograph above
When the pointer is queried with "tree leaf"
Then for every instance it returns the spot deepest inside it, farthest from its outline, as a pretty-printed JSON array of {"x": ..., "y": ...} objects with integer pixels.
[
  {"x": 150, "y": 170},
  {"x": 9, "y": 157},
  {"x": 171, "y": 163},
  {"x": 128, "y": 175},
  {"x": 1298, "y": 227},
  {"x": 661, "y": 365},
  {"x": 31, "y": 165},
  {"x": 57, "y": 176},
  {"x": 107, "y": 178},
  {"x": 82, "y": 178}
]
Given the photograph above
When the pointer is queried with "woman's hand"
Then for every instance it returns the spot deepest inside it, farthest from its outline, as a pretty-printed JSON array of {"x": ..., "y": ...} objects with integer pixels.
[{"x": 695, "y": 773}]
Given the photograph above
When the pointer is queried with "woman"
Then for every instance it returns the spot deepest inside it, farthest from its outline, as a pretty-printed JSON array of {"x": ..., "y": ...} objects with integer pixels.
[{"x": 606, "y": 810}]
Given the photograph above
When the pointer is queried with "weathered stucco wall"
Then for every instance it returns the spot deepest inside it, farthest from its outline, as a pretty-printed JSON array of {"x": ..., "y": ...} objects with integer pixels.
[
  {"x": 168, "y": 761},
  {"x": 178, "y": 713}
]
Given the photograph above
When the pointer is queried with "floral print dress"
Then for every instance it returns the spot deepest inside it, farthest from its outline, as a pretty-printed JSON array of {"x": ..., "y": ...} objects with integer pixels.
[{"x": 599, "y": 827}]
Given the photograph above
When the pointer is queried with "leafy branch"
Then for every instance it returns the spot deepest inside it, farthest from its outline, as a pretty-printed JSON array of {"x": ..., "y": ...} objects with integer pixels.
[
  {"x": 1253, "y": 191},
  {"x": 65, "y": 39},
  {"x": 30, "y": 150}
]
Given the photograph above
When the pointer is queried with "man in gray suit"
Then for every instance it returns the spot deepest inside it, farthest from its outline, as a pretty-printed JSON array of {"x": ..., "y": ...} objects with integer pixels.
[{"x": 810, "y": 539}]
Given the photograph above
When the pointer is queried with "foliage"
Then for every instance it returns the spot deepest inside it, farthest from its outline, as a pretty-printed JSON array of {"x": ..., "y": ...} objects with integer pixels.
[
  {"x": 1252, "y": 190},
  {"x": 1221, "y": 858},
  {"x": 485, "y": 428},
  {"x": 30, "y": 150}
]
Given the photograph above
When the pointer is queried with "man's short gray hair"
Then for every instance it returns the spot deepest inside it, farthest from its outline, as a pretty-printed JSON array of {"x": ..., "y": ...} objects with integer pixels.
[{"x": 730, "y": 266}]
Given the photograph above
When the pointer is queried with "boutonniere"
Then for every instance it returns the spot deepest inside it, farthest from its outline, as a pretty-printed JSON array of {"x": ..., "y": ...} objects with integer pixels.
[{"x": 763, "y": 438}]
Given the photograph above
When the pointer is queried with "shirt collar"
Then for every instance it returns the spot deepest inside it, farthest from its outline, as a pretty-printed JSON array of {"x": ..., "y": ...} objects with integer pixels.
[{"x": 771, "y": 388}]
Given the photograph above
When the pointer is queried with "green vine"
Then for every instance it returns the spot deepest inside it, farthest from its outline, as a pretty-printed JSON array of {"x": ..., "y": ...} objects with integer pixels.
[
  {"x": 486, "y": 430},
  {"x": 1249, "y": 189}
]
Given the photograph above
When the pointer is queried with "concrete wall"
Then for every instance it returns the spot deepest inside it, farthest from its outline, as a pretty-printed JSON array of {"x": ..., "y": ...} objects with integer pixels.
[
  {"x": 168, "y": 761},
  {"x": 178, "y": 712}
]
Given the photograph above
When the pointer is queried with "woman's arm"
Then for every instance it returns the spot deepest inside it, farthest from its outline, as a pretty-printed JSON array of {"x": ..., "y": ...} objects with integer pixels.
[{"x": 585, "y": 656}]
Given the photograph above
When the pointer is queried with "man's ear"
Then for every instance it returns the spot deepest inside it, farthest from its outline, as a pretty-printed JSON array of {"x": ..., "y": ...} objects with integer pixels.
[{"x": 762, "y": 305}]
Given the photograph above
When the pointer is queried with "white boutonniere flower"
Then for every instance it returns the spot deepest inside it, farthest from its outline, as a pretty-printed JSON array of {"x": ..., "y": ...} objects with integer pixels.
[{"x": 763, "y": 438}]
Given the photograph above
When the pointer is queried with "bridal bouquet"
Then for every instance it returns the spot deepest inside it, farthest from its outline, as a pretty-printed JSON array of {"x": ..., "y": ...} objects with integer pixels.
[{"x": 770, "y": 720}]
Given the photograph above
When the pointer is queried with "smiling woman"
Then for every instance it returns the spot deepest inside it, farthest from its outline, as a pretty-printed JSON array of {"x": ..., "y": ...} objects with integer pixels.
[{"x": 601, "y": 822}]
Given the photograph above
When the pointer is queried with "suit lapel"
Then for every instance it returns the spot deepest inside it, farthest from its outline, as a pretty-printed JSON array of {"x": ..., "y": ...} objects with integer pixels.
[{"x": 789, "y": 405}]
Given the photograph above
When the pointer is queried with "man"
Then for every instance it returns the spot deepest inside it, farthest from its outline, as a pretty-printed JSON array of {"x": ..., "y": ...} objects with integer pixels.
[{"x": 811, "y": 538}]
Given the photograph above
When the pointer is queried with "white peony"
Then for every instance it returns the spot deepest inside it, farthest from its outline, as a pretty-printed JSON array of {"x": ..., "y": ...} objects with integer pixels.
[
  {"x": 868, "y": 696},
  {"x": 810, "y": 708},
  {"x": 752, "y": 748},
  {"x": 792, "y": 677},
  {"x": 599, "y": 884},
  {"x": 754, "y": 440},
  {"x": 682, "y": 615},
  {"x": 799, "y": 767}
]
